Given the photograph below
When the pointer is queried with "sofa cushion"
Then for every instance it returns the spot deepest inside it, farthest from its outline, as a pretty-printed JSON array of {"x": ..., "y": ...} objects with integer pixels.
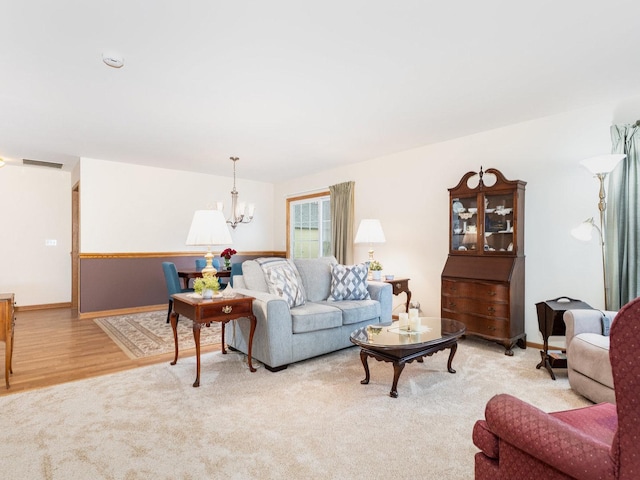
[
  {"x": 589, "y": 355},
  {"x": 356, "y": 311},
  {"x": 280, "y": 276},
  {"x": 349, "y": 282},
  {"x": 253, "y": 276},
  {"x": 316, "y": 276},
  {"x": 314, "y": 316}
]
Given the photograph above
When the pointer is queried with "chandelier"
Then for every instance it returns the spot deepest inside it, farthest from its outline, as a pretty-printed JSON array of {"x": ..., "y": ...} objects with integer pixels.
[{"x": 240, "y": 213}]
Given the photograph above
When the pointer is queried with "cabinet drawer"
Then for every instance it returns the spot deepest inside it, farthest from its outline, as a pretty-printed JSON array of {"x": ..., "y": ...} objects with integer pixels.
[
  {"x": 470, "y": 305},
  {"x": 221, "y": 309},
  {"x": 496, "y": 327},
  {"x": 481, "y": 290}
]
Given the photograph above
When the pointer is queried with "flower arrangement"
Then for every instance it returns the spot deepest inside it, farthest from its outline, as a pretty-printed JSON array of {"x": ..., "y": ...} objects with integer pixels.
[
  {"x": 227, "y": 253},
  {"x": 206, "y": 282},
  {"x": 375, "y": 266}
]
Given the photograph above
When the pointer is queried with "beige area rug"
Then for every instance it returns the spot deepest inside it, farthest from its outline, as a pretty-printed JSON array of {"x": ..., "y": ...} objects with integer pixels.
[
  {"x": 313, "y": 420},
  {"x": 148, "y": 334}
]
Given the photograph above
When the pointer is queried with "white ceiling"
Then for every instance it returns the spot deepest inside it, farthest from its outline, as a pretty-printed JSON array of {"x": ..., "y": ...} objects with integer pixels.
[{"x": 291, "y": 86}]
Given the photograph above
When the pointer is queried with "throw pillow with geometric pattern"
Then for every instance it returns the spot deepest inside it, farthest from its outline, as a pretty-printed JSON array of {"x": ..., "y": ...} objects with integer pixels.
[
  {"x": 349, "y": 282},
  {"x": 282, "y": 280}
]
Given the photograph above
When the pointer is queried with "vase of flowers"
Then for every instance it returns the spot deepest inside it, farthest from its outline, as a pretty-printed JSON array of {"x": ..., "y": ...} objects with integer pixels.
[
  {"x": 227, "y": 253},
  {"x": 206, "y": 286}
]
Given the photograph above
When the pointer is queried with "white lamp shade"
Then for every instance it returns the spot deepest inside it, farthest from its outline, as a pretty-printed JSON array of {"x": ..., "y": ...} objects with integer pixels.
[
  {"x": 370, "y": 231},
  {"x": 602, "y": 163},
  {"x": 583, "y": 231},
  {"x": 208, "y": 227}
]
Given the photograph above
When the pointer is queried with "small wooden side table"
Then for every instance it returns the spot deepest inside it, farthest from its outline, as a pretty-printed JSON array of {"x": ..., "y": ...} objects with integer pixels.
[
  {"x": 201, "y": 311},
  {"x": 7, "y": 321},
  {"x": 551, "y": 323},
  {"x": 401, "y": 285}
]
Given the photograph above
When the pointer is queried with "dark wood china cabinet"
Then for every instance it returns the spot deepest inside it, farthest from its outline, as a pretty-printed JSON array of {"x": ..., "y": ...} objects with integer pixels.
[{"x": 483, "y": 278}]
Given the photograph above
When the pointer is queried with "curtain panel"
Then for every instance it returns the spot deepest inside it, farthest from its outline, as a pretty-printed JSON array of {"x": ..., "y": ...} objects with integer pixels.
[
  {"x": 342, "y": 218},
  {"x": 622, "y": 239}
]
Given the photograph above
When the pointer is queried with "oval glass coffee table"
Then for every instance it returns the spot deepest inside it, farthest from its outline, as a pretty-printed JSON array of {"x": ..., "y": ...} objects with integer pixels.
[{"x": 389, "y": 343}]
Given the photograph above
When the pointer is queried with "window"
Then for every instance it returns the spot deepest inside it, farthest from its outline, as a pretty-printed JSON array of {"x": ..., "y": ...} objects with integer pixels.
[{"x": 309, "y": 226}]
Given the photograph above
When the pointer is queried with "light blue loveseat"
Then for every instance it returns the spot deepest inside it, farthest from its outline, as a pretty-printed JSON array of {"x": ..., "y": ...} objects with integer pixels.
[{"x": 286, "y": 335}]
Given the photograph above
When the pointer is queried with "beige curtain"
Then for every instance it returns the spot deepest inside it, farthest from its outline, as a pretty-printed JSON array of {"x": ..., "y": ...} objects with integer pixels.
[{"x": 342, "y": 218}]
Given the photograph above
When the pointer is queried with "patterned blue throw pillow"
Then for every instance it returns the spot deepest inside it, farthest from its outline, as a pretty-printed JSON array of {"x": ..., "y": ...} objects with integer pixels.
[
  {"x": 282, "y": 280},
  {"x": 349, "y": 282}
]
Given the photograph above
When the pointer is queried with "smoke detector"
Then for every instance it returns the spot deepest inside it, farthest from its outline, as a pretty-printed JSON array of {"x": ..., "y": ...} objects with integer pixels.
[{"x": 113, "y": 59}]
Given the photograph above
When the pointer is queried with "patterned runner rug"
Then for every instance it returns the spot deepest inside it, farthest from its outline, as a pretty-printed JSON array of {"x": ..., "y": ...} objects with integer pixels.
[{"x": 147, "y": 334}]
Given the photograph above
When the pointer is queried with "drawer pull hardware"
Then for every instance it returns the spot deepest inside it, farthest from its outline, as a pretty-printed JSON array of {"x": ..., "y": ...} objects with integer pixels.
[
  {"x": 227, "y": 309},
  {"x": 398, "y": 285},
  {"x": 452, "y": 304},
  {"x": 491, "y": 310},
  {"x": 492, "y": 293}
]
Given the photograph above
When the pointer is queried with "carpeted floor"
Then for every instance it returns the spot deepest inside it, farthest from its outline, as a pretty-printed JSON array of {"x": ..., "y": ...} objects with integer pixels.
[
  {"x": 313, "y": 420},
  {"x": 147, "y": 334}
]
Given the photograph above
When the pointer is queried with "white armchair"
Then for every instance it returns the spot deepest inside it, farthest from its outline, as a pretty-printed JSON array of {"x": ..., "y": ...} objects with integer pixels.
[{"x": 588, "y": 365}]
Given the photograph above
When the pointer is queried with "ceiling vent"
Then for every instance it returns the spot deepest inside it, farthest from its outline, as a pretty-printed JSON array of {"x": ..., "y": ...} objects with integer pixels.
[{"x": 39, "y": 163}]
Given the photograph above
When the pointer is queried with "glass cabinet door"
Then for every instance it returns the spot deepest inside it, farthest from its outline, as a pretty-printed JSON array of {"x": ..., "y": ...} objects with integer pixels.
[
  {"x": 464, "y": 224},
  {"x": 498, "y": 222}
]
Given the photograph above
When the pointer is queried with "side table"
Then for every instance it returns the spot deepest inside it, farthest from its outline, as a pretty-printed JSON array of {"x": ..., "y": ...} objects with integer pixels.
[
  {"x": 201, "y": 311},
  {"x": 551, "y": 323},
  {"x": 401, "y": 285}
]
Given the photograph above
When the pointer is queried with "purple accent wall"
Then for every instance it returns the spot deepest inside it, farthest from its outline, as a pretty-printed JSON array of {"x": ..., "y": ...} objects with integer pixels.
[{"x": 113, "y": 283}]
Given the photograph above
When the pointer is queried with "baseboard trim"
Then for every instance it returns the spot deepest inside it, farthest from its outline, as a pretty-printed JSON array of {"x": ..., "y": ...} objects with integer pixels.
[
  {"x": 46, "y": 306},
  {"x": 121, "y": 311}
]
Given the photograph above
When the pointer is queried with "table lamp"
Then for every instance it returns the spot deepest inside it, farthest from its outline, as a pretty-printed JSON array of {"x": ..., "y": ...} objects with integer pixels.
[
  {"x": 208, "y": 228},
  {"x": 370, "y": 231}
]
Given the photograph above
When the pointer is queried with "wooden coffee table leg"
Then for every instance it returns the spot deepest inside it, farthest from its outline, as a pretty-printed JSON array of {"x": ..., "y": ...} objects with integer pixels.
[
  {"x": 174, "y": 327},
  {"x": 365, "y": 364},
  {"x": 454, "y": 347},
  {"x": 397, "y": 370},
  {"x": 196, "y": 338}
]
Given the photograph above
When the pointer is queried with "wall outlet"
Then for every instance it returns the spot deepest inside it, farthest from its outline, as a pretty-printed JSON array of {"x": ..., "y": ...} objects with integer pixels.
[{"x": 50, "y": 242}]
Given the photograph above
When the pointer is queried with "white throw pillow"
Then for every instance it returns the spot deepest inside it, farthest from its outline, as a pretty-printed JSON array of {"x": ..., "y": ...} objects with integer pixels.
[
  {"x": 282, "y": 280},
  {"x": 349, "y": 282}
]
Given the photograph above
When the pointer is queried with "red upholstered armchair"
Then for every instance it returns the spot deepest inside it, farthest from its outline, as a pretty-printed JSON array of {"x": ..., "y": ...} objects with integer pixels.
[{"x": 519, "y": 441}]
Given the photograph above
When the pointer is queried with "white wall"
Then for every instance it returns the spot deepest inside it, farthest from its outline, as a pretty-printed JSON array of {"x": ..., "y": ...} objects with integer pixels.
[
  {"x": 36, "y": 207},
  {"x": 407, "y": 191},
  {"x": 131, "y": 208}
]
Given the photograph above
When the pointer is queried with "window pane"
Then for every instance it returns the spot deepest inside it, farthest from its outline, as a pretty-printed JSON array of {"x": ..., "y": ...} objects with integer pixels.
[{"x": 310, "y": 224}]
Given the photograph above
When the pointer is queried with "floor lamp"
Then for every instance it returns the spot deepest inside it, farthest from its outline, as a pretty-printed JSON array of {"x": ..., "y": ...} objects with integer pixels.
[{"x": 599, "y": 166}]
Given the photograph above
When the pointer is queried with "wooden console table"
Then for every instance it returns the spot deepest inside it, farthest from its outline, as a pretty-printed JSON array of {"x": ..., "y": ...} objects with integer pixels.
[
  {"x": 7, "y": 321},
  {"x": 201, "y": 311}
]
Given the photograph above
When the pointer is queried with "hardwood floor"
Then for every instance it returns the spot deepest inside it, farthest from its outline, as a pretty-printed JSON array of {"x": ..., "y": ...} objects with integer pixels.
[{"x": 55, "y": 346}]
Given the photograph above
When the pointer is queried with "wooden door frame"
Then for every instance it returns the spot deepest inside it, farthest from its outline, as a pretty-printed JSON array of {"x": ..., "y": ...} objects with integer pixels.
[{"x": 75, "y": 247}]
